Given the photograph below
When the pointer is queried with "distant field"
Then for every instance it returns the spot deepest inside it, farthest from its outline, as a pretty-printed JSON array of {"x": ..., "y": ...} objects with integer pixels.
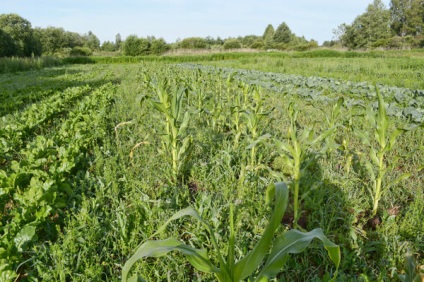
[
  {"x": 402, "y": 69},
  {"x": 94, "y": 158}
]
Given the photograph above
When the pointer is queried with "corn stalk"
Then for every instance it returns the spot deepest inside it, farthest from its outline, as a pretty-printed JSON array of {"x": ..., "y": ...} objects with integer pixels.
[
  {"x": 385, "y": 142},
  {"x": 169, "y": 102}
]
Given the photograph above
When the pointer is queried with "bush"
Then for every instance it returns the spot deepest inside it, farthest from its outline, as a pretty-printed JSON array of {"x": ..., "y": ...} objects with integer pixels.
[
  {"x": 80, "y": 52},
  {"x": 193, "y": 43},
  {"x": 134, "y": 46},
  {"x": 159, "y": 46},
  {"x": 258, "y": 44},
  {"x": 232, "y": 44}
]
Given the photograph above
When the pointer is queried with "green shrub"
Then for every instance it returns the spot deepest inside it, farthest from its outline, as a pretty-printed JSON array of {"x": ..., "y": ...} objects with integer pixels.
[
  {"x": 193, "y": 43},
  {"x": 258, "y": 44},
  {"x": 232, "y": 44},
  {"x": 134, "y": 46},
  {"x": 159, "y": 46},
  {"x": 80, "y": 52}
]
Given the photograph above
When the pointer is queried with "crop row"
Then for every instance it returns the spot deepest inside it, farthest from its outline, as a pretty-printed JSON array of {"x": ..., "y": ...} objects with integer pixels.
[
  {"x": 35, "y": 192},
  {"x": 23, "y": 89},
  {"x": 266, "y": 136},
  {"x": 401, "y": 102},
  {"x": 15, "y": 128}
]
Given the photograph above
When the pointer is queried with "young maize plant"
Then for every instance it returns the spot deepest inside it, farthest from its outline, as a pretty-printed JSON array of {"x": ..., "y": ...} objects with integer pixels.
[
  {"x": 297, "y": 154},
  {"x": 253, "y": 116},
  {"x": 230, "y": 270},
  {"x": 170, "y": 105},
  {"x": 385, "y": 143}
]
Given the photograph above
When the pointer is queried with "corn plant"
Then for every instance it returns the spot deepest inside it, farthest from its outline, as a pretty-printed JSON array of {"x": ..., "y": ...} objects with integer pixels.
[
  {"x": 297, "y": 154},
  {"x": 411, "y": 274},
  {"x": 377, "y": 153},
  {"x": 253, "y": 116},
  {"x": 229, "y": 269},
  {"x": 170, "y": 105}
]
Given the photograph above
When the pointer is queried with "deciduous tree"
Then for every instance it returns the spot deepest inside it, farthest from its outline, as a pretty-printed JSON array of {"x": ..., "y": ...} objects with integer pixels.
[
  {"x": 283, "y": 34},
  {"x": 20, "y": 30},
  {"x": 369, "y": 28},
  {"x": 407, "y": 17}
]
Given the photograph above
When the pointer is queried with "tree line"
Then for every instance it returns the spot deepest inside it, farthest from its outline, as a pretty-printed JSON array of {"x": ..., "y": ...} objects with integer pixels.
[
  {"x": 19, "y": 39},
  {"x": 401, "y": 25}
]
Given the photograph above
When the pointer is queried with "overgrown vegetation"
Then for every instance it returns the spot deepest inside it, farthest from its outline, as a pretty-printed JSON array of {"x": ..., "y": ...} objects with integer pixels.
[{"x": 87, "y": 173}]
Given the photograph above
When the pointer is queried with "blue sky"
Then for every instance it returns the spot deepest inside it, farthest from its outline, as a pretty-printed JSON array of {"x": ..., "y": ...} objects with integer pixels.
[{"x": 173, "y": 19}]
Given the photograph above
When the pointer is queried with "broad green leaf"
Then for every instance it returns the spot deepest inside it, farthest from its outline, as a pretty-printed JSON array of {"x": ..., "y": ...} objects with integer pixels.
[
  {"x": 6, "y": 271},
  {"x": 293, "y": 242},
  {"x": 193, "y": 213},
  {"x": 24, "y": 236},
  {"x": 198, "y": 258},
  {"x": 184, "y": 212},
  {"x": 247, "y": 265}
]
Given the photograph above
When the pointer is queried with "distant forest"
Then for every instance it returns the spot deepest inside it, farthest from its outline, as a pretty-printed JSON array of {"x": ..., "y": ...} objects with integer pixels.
[{"x": 399, "y": 26}]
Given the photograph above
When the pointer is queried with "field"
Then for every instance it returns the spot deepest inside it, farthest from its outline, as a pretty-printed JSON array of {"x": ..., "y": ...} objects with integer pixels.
[{"x": 95, "y": 158}]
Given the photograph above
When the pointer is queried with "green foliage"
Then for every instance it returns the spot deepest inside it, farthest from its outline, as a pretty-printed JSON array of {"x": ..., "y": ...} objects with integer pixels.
[
  {"x": 81, "y": 52},
  {"x": 52, "y": 39},
  {"x": 291, "y": 242},
  {"x": 268, "y": 33},
  {"x": 193, "y": 43},
  {"x": 37, "y": 186},
  {"x": 11, "y": 65},
  {"x": 376, "y": 27},
  {"x": 20, "y": 30},
  {"x": 170, "y": 104},
  {"x": 283, "y": 34},
  {"x": 297, "y": 155},
  {"x": 232, "y": 44},
  {"x": 159, "y": 46},
  {"x": 91, "y": 41},
  {"x": 411, "y": 275},
  {"x": 386, "y": 143},
  {"x": 109, "y": 46},
  {"x": 7, "y": 45},
  {"x": 368, "y": 28},
  {"x": 407, "y": 17},
  {"x": 134, "y": 46},
  {"x": 62, "y": 165}
]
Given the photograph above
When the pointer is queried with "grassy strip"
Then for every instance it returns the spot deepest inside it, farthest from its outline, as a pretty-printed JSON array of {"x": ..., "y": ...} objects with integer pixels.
[{"x": 8, "y": 65}]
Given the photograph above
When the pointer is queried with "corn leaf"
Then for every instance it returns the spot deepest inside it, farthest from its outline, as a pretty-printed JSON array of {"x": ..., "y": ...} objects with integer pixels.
[
  {"x": 258, "y": 140},
  {"x": 374, "y": 158},
  {"x": 247, "y": 265},
  {"x": 382, "y": 120},
  {"x": 285, "y": 147},
  {"x": 293, "y": 242},
  {"x": 197, "y": 257},
  {"x": 364, "y": 136}
]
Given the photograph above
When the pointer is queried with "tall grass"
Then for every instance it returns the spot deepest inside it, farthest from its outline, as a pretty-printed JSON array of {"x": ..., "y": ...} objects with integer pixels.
[{"x": 8, "y": 65}]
